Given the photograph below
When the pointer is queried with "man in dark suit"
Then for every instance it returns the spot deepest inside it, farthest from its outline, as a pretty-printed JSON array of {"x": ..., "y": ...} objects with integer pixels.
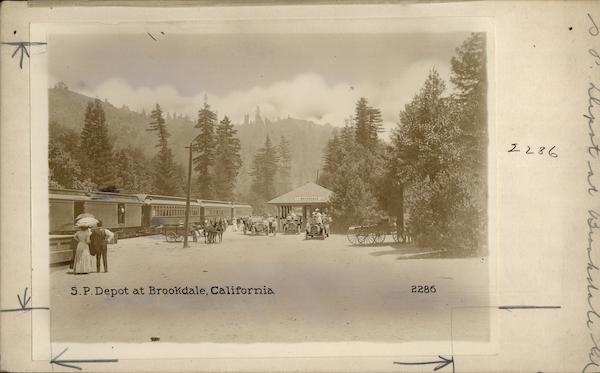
[{"x": 99, "y": 240}]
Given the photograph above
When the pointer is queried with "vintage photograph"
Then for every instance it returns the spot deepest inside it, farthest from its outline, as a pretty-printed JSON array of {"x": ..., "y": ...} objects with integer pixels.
[{"x": 268, "y": 187}]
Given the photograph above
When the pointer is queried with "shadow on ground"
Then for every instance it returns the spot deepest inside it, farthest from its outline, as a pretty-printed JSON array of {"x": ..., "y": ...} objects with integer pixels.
[{"x": 410, "y": 251}]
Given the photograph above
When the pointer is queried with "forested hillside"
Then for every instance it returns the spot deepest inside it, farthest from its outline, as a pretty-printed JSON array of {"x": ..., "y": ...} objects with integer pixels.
[{"x": 127, "y": 129}]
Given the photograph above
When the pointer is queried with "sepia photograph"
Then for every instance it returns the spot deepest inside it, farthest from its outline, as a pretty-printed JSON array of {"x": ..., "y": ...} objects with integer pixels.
[{"x": 267, "y": 187}]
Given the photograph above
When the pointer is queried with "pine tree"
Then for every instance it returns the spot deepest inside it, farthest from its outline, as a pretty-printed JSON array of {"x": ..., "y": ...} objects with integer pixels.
[
  {"x": 469, "y": 76},
  {"x": 352, "y": 174},
  {"x": 95, "y": 147},
  {"x": 285, "y": 166},
  {"x": 368, "y": 123},
  {"x": 164, "y": 170},
  {"x": 375, "y": 126},
  {"x": 205, "y": 148},
  {"x": 227, "y": 160},
  {"x": 264, "y": 168},
  {"x": 426, "y": 157},
  {"x": 361, "y": 122}
]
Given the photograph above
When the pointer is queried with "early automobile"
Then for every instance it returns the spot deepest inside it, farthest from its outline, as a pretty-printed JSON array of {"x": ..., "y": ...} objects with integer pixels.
[
  {"x": 292, "y": 225},
  {"x": 256, "y": 225},
  {"x": 315, "y": 229}
]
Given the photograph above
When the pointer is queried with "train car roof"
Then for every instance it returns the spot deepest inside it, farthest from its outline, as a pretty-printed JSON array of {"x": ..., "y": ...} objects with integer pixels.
[
  {"x": 154, "y": 199},
  {"x": 68, "y": 194},
  {"x": 207, "y": 203},
  {"x": 241, "y": 205},
  {"x": 80, "y": 195},
  {"x": 113, "y": 197}
]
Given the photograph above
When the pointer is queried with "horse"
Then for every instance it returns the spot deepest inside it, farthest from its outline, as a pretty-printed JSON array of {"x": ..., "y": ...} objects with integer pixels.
[
  {"x": 221, "y": 229},
  {"x": 210, "y": 233}
]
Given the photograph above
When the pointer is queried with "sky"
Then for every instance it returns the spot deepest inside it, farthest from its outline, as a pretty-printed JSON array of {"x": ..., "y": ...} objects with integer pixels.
[{"x": 317, "y": 77}]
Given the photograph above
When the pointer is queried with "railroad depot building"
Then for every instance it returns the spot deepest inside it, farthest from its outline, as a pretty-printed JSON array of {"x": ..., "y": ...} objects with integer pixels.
[{"x": 302, "y": 201}]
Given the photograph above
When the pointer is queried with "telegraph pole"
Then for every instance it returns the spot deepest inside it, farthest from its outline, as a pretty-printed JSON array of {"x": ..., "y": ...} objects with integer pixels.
[{"x": 187, "y": 201}]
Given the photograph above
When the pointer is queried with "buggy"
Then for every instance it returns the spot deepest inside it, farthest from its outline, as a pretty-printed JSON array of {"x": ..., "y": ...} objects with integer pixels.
[
  {"x": 173, "y": 233},
  {"x": 372, "y": 233}
]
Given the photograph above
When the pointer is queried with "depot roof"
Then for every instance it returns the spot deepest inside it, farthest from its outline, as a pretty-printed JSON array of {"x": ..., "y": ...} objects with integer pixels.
[{"x": 307, "y": 194}]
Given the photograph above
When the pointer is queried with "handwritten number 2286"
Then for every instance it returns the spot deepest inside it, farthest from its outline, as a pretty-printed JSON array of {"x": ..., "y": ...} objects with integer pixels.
[{"x": 540, "y": 151}]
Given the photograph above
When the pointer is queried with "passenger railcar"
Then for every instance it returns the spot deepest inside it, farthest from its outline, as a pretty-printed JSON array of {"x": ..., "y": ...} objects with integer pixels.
[
  {"x": 118, "y": 212},
  {"x": 168, "y": 210},
  {"x": 216, "y": 210},
  {"x": 127, "y": 214},
  {"x": 241, "y": 211}
]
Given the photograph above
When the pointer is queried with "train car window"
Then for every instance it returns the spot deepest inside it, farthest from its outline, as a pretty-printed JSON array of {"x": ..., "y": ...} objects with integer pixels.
[
  {"x": 121, "y": 213},
  {"x": 78, "y": 208}
]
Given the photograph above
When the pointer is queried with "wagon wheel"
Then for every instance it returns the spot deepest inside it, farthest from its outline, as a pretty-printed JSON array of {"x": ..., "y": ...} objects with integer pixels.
[
  {"x": 171, "y": 237},
  {"x": 351, "y": 236},
  {"x": 363, "y": 237},
  {"x": 378, "y": 237},
  {"x": 373, "y": 236}
]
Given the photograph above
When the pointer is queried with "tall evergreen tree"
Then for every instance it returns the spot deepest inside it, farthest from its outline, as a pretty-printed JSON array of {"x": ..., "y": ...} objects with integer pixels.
[
  {"x": 368, "y": 123},
  {"x": 469, "y": 76},
  {"x": 375, "y": 126},
  {"x": 205, "y": 148},
  {"x": 227, "y": 160},
  {"x": 284, "y": 169},
  {"x": 164, "y": 169},
  {"x": 427, "y": 158},
  {"x": 361, "y": 122},
  {"x": 95, "y": 147},
  {"x": 352, "y": 174},
  {"x": 264, "y": 168}
]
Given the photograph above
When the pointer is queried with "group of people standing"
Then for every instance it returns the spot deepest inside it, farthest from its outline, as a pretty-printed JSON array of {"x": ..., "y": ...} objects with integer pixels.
[{"x": 87, "y": 243}]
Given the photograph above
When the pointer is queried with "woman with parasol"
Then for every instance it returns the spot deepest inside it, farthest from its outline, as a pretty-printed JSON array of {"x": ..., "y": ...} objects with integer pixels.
[{"x": 82, "y": 263}]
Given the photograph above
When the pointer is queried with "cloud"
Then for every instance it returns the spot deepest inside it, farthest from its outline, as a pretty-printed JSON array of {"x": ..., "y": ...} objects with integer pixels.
[{"x": 306, "y": 96}]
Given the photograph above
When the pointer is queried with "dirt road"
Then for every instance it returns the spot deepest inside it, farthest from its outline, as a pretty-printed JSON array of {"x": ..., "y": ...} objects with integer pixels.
[{"x": 322, "y": 291}]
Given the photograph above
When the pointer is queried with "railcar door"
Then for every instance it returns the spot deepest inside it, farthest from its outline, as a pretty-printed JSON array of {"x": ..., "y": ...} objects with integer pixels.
[
  {"x": 78, "y": 208},
  {"x": 146, "y": 215}
]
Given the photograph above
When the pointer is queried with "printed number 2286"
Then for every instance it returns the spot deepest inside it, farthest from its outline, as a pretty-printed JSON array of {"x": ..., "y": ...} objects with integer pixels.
[{"x": 423, "y": 289}]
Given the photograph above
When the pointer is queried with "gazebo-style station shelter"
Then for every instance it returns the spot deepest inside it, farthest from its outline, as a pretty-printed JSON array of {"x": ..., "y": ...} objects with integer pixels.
[{"x": 307, "y": 197}]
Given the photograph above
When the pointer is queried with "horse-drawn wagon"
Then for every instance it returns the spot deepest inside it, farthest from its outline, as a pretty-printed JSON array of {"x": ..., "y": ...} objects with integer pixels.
[
  {"x": 372, "y": 233},
  {"x": 173, "y": 232}
]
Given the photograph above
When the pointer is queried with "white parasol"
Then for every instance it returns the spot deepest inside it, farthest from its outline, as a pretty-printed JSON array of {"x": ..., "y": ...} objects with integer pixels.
[
  {"x": 88, "y": 221},
  {"x": 84, "y": 215}
]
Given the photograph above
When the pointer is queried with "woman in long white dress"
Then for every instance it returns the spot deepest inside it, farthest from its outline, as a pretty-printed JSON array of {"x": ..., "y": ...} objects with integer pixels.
[{"x": 83, "y": 259}]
